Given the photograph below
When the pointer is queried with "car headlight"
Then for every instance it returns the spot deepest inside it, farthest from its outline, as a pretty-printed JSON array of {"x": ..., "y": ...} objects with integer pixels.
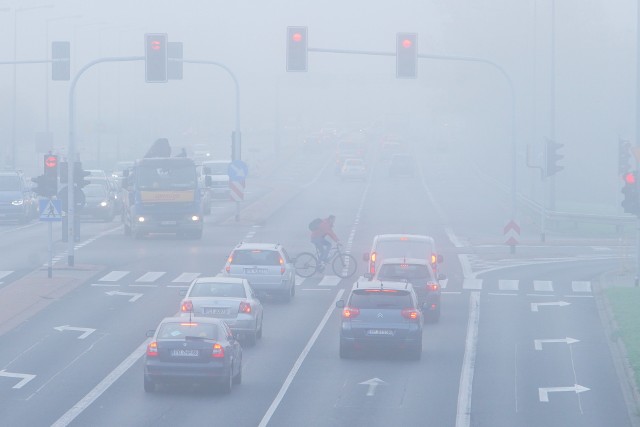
[
  {"x": 104, "y": 204},
  {"x": 17, "y": 202},
  {"x": 195, "y": 218}
]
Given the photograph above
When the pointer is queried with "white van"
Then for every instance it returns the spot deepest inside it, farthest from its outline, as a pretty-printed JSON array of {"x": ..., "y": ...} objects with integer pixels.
[
  {"x": 401, "y": 246},
  {"x": 219, "y": 172}
]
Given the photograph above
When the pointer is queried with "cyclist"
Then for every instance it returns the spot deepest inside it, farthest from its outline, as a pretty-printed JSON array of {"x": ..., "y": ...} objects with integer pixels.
[{"x": 318, "y": 237}]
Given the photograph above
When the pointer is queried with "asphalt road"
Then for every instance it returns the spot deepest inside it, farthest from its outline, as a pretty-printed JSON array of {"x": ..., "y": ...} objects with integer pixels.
[{"x": 492, "y": 360}]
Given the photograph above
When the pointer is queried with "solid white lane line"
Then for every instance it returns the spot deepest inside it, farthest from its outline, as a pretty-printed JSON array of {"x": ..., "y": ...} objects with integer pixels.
[
  {"x": 97, "y": 391},
  {"x": 113, "y": 276},
  {"x": 296, "y": 366},
  {"x": 185, "y": 277},
  {"x": 463, "y": 413},
  {"x": 150, "y": 276}
]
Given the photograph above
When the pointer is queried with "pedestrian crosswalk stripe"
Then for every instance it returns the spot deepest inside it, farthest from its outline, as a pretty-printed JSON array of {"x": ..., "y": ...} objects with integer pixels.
[
  {"x": 329, "y": 281},
  {"x": 580, "y": 286},
  {"x": 114, "y": 276},
  {"x": 185, "y": 277},
  {"x": 151, "y": 276},
  {"x": 508, "y": 285},
  {"x": 543, "y": 285},
  {"x": 475, "y": 284}
]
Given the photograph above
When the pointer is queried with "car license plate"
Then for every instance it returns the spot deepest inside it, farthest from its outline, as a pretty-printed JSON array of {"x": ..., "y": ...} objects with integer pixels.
[
  {"x": 211, "y": 310},
  {"x": 255, "y": 270},
  {"x": 168, "y": 222},
  {"x": 387, "y": 332},
  {"x": 180, "y": 352}
]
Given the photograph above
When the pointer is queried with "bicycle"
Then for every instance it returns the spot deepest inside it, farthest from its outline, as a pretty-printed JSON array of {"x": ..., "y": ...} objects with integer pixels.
[{"x": 343, "y": 264}]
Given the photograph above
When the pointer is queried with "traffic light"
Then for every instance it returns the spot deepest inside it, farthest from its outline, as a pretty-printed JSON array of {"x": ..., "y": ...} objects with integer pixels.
[
  {"x": 406, "y": 55},
  {"x": 79, "y": 175},
  {"x": 51, "y": 173},
  {"x": 155, "y": 48},
  {"x": 297, "y": 49},
  {"x": 174, "y": 68},
  {"x": 552, "y": 158},
  {"x": 631, "y": 201},
  {"x": 624, "y": 155},
  {"x": 61, "y": 57}
]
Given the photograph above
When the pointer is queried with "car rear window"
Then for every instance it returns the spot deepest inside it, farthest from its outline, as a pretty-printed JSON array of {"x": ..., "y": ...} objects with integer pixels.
[
  {"x": 230, "y": 290},
  {"x": 402, "y": 249},
  {"x": 380, "y": 298},
  {"x": 255, "y": 257},
  {"x": 404, "y": 271},
  {"x": 179, "y": 330}
]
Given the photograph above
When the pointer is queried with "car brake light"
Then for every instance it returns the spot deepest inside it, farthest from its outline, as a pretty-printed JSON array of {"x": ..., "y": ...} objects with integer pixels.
[
  {"x": 152, "y": 349},
  {"x": 245, "y": 307},
  {"x": 217, "y": 351},
  {"x": 433, "y": 286},
  {"x": 350, "y": 312},
  {"x": 186, "y": 306},
  {"x": 373, "y": 257},
  {"x": 410, "y": 313},
  {"x": 434, "y": 258},
  {"x": 282, "y": 269}
]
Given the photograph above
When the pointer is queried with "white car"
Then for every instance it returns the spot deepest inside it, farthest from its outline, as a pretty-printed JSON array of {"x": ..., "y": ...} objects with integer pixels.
[{"x": 353, "y": 169}]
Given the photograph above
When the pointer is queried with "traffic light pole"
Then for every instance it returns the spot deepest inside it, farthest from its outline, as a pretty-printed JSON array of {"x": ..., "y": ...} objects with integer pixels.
[
  {"x": 71, "y": 150},
  {"x": 236, "y": 150},
  {"x": 512, "y": 93}
]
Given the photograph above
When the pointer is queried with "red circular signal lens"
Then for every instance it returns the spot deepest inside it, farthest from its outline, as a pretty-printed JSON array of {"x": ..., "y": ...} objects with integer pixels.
[
  {"x": 630, "y": 178},
  {"x": 296, "y": 37},
  {"x": 51, "y": 162},
  {"x": 156, "y": 44},
  {"x": 406, "y": 43}
]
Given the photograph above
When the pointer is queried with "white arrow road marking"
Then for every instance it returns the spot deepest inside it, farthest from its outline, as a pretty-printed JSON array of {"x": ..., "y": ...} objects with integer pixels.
[
  {"x": 133, "y": 296},
  {"x": 86, "y": 331},
  {"x": 535, "y": 305},
  {"x": 543, "y": 392},
  {"x": 25, "y": 377},
  {"x": 373, "y": 384},
  {"x": 538, "y": 343}
]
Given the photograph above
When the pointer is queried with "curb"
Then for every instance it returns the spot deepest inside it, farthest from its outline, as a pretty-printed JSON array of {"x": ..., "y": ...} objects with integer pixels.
[{"x": 618, "y": 350}]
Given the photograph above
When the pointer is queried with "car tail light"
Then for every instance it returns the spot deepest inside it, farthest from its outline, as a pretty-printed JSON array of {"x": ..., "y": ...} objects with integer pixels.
[
  {"x": 281, "y": 266},
  {"x": 217, "y": 351},
  {"x": 350, "y": 312},
  {"x": 434, "y": 259},
  {"x": 229, "y": 262},
  {"x": 186, "y": 306},
  {"x": 152, "y": 349},
  {"x": 410, "y": 313},
  {"x": 245, "y": 307},
  {"x": 432, "y": 286},
  {"x": 373, "y": 256}
]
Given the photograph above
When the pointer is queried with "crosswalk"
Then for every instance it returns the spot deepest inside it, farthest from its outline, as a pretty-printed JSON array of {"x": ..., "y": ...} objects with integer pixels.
[{"x": 535, "y": 286}]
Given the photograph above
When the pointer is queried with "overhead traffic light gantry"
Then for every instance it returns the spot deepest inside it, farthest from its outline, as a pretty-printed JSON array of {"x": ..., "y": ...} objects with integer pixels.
[
  {"x": 297, "y": 49},
  {"x": 406, "y": 55},
  {"x": 155, "y": 49}
]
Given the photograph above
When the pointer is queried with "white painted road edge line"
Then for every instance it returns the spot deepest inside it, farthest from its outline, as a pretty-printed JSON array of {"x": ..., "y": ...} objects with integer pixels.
[
  {"x": 97, "y": 391},
  {"x": 463, "y": 413},
  {"x": 294, "y": 370}
]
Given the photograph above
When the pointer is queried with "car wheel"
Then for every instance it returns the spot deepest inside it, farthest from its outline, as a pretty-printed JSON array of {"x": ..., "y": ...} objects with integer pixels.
[
  {"x": 238, "y": 378},
  {"x": 227, "y": 382},
  {"x": 345, "y": 351},
  {"x": 415, "y": 353},
  {"x": 259, "y": 333},
  {"x": 252, "y": 337},
  {"x": 149, "y": 386}
]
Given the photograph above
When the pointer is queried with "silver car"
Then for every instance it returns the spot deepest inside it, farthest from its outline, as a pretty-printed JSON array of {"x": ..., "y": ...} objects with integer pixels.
[{"x": 227, "y": 298}]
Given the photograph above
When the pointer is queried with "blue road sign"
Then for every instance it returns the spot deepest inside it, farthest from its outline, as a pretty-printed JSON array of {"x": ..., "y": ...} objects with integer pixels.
[
  {"x": 50, "y": 210},
  {"x": 238, "y": 171}
]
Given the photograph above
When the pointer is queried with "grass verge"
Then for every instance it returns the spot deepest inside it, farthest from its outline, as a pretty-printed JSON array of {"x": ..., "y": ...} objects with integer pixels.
[{"x": 625, "y": 305}]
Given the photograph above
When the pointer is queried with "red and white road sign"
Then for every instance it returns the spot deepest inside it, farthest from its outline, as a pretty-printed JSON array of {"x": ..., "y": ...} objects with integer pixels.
[
  {"x": 512, "y": 233},
  {"x": 237, "y": 190}
]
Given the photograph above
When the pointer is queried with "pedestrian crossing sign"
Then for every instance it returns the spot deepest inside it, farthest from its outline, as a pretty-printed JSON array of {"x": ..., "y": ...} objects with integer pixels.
[{"x": 50, "y": 210}]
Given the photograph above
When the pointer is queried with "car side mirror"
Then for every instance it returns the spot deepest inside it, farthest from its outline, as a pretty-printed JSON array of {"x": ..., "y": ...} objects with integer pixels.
[
  {"x": 340, "y": 303},
  {"x": 150, "y": 333},
  {"x": 207, "y": 181},
  {"x": 442, "y": 276}
]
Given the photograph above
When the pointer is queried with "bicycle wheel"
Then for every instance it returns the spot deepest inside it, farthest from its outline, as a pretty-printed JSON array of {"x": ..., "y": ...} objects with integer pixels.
[
  {"x": 344, "y": 265},
  {"x": 306, "y": 264}
]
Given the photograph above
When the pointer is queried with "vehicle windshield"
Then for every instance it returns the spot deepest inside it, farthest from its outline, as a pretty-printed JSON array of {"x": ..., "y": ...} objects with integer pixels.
[
  {"x": 218, "y": 168},
  {"x": 180, "y": 330},
  {"x": 380, "y": 298},
  {"x": 9, "y": 183},
  {"x": 95, "y": 190},
  {"x": 177, "y": 177},
  {"x": 403, "y": 249},
  {"x": 217, "y": 289},
  {"x": 255, "y": 257},
  {"x": 404, "y": 271}
]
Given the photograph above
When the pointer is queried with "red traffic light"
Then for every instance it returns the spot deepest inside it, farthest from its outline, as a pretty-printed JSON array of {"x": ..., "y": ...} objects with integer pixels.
[
  {"x": 156, "y": 44},
  {"x": 630, "y": 178},
  {"x": 51, "y": 161},
  {"x": 296, "y": 37},
  {"x": 406, "y": 43}
]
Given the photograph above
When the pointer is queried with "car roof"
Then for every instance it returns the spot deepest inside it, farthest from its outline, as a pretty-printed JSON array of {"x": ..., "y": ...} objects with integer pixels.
[
  {"x": 260, "y": 246},
  {"x": 382, "y": 284},
  {"x": 419, "y": 237},
  {"x": 219, "y": 279},
  {"x": 404, "y": 261}
]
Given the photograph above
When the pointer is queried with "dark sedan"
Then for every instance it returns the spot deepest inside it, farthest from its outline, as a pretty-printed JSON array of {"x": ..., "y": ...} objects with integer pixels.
[
  {"x": 194, "y": 351},
  {"x": 98, "y": 202}
]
